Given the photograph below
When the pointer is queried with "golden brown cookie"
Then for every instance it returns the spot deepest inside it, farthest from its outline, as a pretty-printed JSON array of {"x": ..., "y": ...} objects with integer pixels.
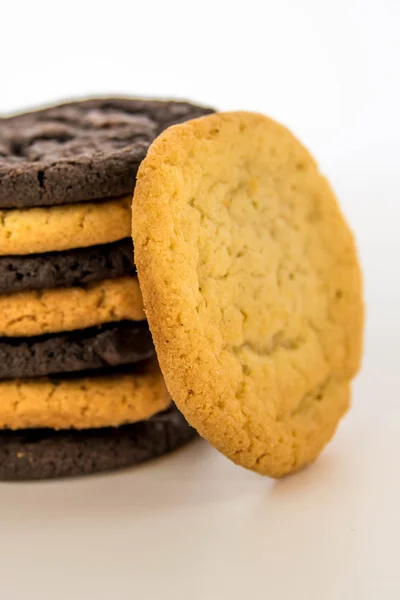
[
  {"x": 36, "y": 230},
  {"x": 65, "y": 309},
  {"x": 83, "y": 403},
  {"x": 251, "y": 286}
]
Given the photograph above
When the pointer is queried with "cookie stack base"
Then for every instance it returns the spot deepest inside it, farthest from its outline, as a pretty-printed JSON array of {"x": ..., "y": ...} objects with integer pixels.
[{"x": 46, "y": 454}]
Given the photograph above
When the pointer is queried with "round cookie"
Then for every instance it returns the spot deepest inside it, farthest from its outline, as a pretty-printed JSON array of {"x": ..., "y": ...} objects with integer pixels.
[
  {"x": 81, "y": 150},
  {"x": 251, "y": 286},
  {"x": 46, "y": 454},
  {"x": 50, "y": 311},
  {"x": 69, "y": 268},
  {"x": 111, "y": 345},
  {"x": 84, "y": 402},
  {"x": 36, "y": 230}
]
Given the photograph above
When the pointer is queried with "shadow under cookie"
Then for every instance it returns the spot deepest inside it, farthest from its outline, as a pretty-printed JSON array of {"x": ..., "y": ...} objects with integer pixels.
[{"x": 46, "y": 454}]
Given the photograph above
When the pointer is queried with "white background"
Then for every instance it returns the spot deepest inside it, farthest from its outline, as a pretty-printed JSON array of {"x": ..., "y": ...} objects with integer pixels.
[{"x": 194, "y": 526}]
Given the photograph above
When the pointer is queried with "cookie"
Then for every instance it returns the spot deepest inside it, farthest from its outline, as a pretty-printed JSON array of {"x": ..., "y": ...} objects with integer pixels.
[
  {"x": 251, "y": 286},
  {"x": 113, "y": 344},
  {"x": 36, "y": 230},
  {"x": 46, "y": 454},
  {"x": 50, "y": 311},
  {"x": 69, "y": 268},
  {"x": 82, "y": 150},
  {"x": 84, "y": 402}
]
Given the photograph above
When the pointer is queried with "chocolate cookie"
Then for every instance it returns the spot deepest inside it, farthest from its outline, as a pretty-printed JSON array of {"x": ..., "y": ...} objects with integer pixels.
[
  {"x": 95, "y": 348},
  {"x": 81, "y": 150},
  {"x": 66, "y": 269},
  {"x": 46, "y": 454}
]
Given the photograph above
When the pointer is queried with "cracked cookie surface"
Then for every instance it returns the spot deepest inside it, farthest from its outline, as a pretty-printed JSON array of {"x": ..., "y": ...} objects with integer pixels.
[
  {"x": 65, "y": 309},
  {"x": 82, "y": 403},
  {"x": 251, "y": 285},
  {"x": 82, "y": 150},
  {"x": 36, "y": 230}
]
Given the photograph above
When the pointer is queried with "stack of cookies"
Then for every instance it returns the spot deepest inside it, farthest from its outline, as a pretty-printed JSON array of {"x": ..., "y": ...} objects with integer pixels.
[{"x": 80, "y": 387}]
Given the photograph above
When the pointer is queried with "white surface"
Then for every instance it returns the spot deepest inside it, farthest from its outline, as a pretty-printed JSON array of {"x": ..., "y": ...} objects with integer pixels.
[{"x": 194, "y": 526}]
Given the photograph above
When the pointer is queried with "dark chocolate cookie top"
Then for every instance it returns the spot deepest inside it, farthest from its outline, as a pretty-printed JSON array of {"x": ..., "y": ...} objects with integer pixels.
[{"x": 81, "y": 150}]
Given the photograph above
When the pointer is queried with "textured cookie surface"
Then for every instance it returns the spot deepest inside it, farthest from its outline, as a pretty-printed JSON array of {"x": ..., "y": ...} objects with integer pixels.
[
  {"x": 95, "y": 348},
  {"x": 251, "y": 286},
  {"x": 46, "y": 454},
  {"x": 69, "y": 268},
  {"x": 84, "y": 402},
  {"x": 35, "y": 230},
  {"x": 50, "y": 311},
  {"x": 81, "y": 150}
]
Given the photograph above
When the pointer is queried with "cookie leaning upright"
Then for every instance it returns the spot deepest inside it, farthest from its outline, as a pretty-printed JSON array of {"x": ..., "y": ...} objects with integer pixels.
[{"x": 251, "y": 286}]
